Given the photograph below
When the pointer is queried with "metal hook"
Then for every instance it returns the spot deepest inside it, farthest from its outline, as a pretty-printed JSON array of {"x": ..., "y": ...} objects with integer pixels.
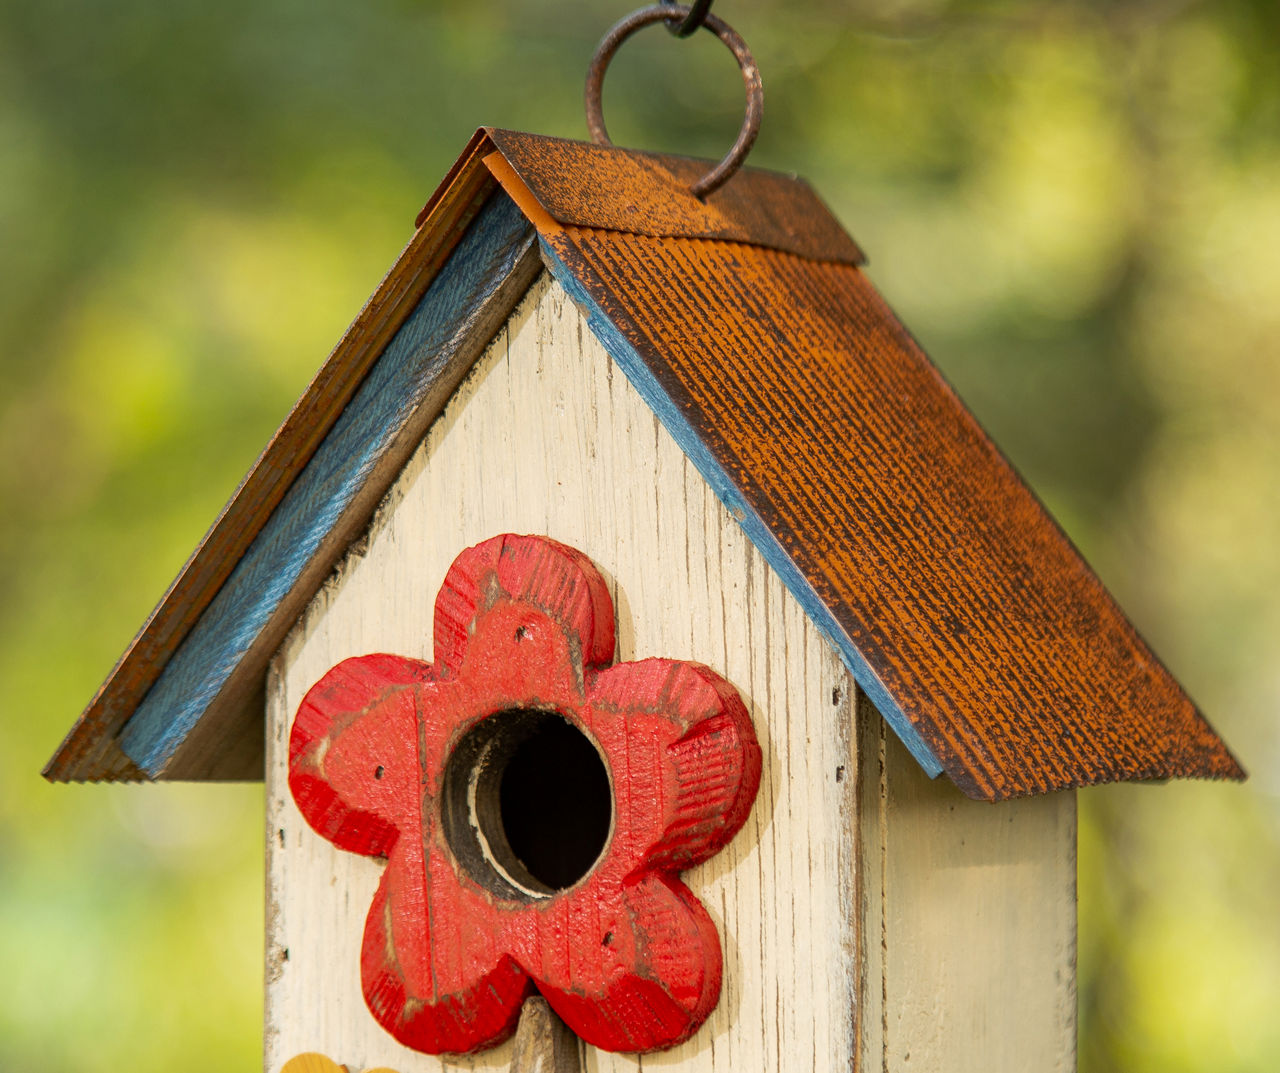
[
  {"x": 672, "y": 13},
  {"x": 696, "y": 17}
]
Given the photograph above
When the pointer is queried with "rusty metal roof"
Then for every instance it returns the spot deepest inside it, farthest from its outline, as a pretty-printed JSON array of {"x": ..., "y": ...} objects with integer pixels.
[{"x": 747, "y": 324}]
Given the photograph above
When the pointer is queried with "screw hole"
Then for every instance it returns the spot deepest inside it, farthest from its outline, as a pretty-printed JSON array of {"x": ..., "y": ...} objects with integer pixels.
[{"x": 379, "y": 771}]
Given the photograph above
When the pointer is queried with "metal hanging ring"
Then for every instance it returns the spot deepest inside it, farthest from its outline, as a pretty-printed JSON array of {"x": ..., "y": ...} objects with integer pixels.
[
  {"x": 696, "y": 17},
  {"x": 672, "y": 13}
]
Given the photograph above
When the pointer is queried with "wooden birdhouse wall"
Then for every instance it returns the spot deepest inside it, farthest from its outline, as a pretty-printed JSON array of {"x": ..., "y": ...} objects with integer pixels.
[
  {"x": 968, "y": 921},
  {"x": 869, "y": 917}
]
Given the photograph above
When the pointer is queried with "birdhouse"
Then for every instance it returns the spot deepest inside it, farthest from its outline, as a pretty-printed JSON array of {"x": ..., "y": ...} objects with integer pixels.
[{"x": 629, "y": 613}]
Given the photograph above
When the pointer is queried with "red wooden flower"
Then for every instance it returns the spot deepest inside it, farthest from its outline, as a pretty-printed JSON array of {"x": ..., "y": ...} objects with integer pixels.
[{"x": 445, "y": 770}]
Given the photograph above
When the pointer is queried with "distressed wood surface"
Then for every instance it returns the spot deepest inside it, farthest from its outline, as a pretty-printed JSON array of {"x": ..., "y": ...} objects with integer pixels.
[
  {"x": 91, "y": 749},
  {"x": 402, "y": 759},
  {"x": 547, "y": 436},
  {"x": 216, "y": 675},
  {"x": 968, "y": 938},
  {"x": 543, "y": 1044}
]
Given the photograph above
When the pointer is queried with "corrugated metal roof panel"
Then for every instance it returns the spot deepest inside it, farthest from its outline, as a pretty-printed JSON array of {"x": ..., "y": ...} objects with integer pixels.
[
  {"x": 980, "y": 632},
  {"x": 970, "y": 617}
]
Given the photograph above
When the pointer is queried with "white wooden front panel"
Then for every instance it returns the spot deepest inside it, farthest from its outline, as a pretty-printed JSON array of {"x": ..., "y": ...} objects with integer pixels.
[{"x": 546, "y": 436}]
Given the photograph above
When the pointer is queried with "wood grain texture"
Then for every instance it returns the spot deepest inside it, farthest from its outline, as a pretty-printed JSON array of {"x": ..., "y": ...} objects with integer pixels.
[
  {"x": 214, "y": 679},
  {"x": 546, "y": 435},
  {"x": 406, "y": 760},
  {"x": 961, "y": 607},
  {"x": 543, "y": 1044},
  {"x": 968, "y": 922},
  {"x": 91, "y": 750}
]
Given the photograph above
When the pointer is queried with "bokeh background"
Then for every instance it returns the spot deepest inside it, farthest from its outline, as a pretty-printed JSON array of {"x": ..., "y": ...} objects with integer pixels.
[{"x": 1075, "y": 205}]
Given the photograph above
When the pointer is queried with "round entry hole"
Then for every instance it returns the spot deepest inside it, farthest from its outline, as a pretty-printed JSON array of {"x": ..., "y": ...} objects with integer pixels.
[{"x": 526, "y": 806}]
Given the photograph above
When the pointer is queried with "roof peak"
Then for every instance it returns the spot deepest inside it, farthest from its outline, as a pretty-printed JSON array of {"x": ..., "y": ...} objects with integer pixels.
[{"x": 580, "y": 184}]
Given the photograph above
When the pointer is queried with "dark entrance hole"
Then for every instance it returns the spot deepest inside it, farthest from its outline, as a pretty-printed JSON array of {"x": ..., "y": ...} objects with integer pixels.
[{"x": 526, "y": 805}]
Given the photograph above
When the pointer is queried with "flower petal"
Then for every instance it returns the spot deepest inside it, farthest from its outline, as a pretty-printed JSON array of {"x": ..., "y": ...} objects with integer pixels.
[
  {"x": 353, "y": 751},
  {"x": 660, "y": 981},
  {"x": 460, "y": 1008},
  {"x": 552, "y": 577},
  {"x": 685, "y": 760}
]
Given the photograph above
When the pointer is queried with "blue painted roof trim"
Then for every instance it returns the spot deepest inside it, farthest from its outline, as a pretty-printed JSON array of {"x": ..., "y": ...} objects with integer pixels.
[
  {"x": 292, "y": 537},
  {"x": 642, "y": 379}
]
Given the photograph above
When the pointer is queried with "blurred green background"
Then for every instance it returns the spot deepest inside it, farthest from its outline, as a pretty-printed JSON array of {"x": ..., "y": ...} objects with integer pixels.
[{"x": 1075, "y": 205}]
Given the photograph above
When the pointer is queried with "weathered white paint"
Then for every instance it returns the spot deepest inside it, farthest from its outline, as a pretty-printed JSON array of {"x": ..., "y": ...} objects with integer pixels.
[
  {"x": 546, "y": 436},
  {"x": 969, "y": 921}
]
